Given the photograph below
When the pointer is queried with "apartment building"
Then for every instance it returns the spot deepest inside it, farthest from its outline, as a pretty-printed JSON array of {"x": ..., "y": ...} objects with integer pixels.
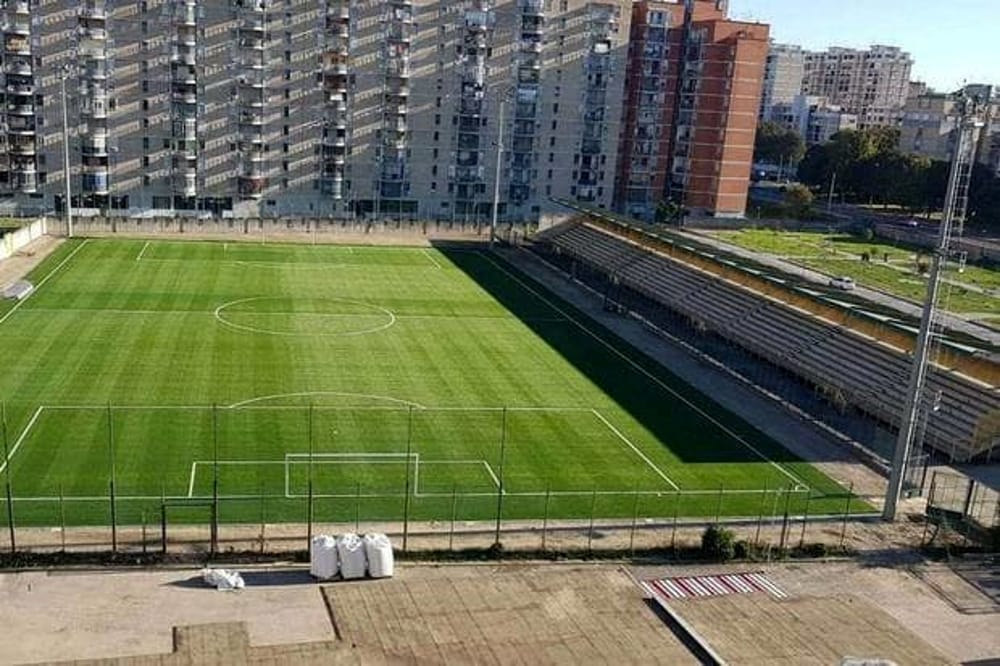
[
  {"x": 693, "y": 97},
  {"x": 872, "y": 84},
  {"x": 813, "y": 118},
  {"x": 930, "y": 126},
  {"x": 784, "y": 70},
  {"x": 312, "y": 107}
]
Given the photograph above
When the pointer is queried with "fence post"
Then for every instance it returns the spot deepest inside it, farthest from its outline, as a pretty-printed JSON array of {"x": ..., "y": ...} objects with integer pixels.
[
  {"x": 143, "y": 533},
  {"x": 213, "y": 545},
  {"x": 263, "y": 517},
  {"x": 311, "y": 507},
  {"x": 454, "y": 510},
  {"x": 805, "y": 519},
  {"x": 718, "y": 505},
  {"x": 545, "y": 516},
  {"x": 163, "y": 527},
  {"x": 503, "y": 446},
  {"x": 6, "y": 468},
  {"x": 111, "y": 481},
  {"x": 673, "y": 531},
  {"x": 406, "y": 486},
  {"x": 760, "y": 513},
  {"x": 785, "y": 520},
  {"x": 635, "y": 519},
  {"x": 847, "y": 513},
  {"x": 357, "y": 506},
  {"x": 590, "y": 532},
  {"x": 62, "y": 519}
]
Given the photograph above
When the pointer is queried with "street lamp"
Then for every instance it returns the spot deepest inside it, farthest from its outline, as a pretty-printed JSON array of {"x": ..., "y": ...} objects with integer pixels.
[{"x": 66, "y": 71}]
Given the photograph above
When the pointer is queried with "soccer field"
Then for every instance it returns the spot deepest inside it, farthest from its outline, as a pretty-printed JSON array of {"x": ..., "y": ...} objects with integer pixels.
[{"x": 374, "y": 379}]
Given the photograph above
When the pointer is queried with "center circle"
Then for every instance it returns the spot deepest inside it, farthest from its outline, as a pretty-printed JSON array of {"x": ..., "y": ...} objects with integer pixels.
[{"x": 330, "y": 317}]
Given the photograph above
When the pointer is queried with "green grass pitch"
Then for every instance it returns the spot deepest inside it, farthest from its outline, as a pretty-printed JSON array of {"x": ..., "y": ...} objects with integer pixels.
[{"x": 374, "y": 379}]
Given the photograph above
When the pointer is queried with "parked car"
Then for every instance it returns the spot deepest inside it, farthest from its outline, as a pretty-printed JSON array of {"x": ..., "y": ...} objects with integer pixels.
[{"x": 843, "y": 283}]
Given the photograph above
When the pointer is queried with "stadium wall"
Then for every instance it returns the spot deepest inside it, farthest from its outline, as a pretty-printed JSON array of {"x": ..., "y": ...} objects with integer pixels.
[{"x": 12, "y": 242}]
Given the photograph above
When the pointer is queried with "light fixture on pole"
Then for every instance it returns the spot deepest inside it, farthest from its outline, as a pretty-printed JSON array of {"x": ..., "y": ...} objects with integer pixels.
[{"x": 65, "y": 138}]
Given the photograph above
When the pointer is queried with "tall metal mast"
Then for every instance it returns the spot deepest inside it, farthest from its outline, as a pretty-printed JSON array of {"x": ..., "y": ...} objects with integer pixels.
[{"x": 955, "y": 206}]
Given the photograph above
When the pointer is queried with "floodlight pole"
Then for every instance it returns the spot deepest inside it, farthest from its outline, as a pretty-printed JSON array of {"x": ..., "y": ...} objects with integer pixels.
[
  {"x": 496, "y": 180},
  {"x": 309, "y": 512},
  {"x": 954, "y": 212},
  {"x": 215, "y": 480},
  {"x": 65, "y": 137}
]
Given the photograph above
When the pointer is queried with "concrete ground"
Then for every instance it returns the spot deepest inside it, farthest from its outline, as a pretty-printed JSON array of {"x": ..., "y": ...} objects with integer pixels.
[
  {"x": 512, "y": 613},
  {"x": 16, "y": 267}
]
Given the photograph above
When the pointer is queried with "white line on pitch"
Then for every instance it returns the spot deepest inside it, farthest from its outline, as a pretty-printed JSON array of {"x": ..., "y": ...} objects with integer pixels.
[
  {"x": 431, "y": 257},
  {"x": 659, "y": 382},
  {"x": 194, "y": 468},
  {"x": 142, "y": 251},
  {"x": 43, "y": 281},
  {"x": 24, "y": 434},
  {"x": 635, "y": 449}
]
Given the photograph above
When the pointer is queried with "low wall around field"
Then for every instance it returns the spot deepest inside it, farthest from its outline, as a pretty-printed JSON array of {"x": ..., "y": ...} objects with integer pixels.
[
  {"x": 12, "y": 242},
  {"x": 294, "y": 229}
]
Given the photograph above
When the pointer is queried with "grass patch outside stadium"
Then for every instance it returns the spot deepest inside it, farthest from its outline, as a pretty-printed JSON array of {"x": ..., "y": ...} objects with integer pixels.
[{"x": 383, "y": 379}]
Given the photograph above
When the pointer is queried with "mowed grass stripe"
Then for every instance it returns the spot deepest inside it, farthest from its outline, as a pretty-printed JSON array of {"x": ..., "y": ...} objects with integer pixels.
[{"x": 477, "y": 338}]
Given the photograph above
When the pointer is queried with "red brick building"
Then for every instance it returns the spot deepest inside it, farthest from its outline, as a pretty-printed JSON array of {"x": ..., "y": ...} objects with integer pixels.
[{"x": 692, "y": 97}]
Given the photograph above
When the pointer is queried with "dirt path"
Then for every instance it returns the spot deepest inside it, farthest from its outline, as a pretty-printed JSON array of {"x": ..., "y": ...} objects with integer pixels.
[{"x": 27, "y": 258}]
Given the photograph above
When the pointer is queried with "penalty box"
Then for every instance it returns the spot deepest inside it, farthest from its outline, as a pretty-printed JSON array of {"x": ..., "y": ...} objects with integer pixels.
[{"x": 153, "y": 449}]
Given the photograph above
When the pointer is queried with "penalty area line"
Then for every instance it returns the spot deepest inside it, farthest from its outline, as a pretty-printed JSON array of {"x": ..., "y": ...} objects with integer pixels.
[
  {"x": 43, "y": 281},
  {"x": 635, "y": 449},
  {"x": 22, "y": 437},
  {"x": 640, "y": 369}
]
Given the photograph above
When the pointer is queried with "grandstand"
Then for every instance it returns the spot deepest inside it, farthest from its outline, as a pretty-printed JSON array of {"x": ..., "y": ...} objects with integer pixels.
[{"x": 843, "y": 356}]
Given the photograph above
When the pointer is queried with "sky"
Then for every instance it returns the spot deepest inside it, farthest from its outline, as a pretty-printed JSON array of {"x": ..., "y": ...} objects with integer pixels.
[{"x": 952, "y": 41}]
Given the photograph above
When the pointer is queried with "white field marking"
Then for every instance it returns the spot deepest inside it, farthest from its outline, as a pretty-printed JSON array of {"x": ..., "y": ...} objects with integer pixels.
[
  {"x": 430, "y": 256},
  {"x": 643, "y": 371},
  {"x": 540, "y": 493},
  {"x": 43, "y": 281},
  {"x": 635, "y": 449},
  {"x": 545, "y": 320},
  {"x": 194, "y": 468},
  {"x": 303, "y": 394},
  {"x": 99, "y": 311},
  {"x": 22, "y": 437},
  {"x": 142, "y": 251},
  {"x": 252, "y": 329}
]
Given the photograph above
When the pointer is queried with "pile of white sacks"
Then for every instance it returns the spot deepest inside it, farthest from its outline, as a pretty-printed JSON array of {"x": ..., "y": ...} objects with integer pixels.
[{"x": 350, "y": 556}]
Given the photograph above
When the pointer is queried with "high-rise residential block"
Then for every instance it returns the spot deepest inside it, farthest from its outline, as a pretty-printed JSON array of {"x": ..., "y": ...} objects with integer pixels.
[
  {"x": 930, "y": 126},
  {"x": 313, "y": 107},
  {"x": 872, "y": 84},
  {"x": 784, "y": 70},
  {"x": 693, "y": 97}
]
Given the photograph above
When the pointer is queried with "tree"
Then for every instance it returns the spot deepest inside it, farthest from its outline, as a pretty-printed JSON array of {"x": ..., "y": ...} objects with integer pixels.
[
  {"x": 776, "y": 144},
  {"x": 799, "y": 199}
]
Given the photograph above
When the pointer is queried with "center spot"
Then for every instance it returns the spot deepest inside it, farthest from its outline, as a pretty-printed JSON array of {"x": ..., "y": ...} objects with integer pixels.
[{"x": 304, "y": 316}]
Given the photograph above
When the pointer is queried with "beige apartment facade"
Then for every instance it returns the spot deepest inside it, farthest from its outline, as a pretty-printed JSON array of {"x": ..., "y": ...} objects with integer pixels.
[
  {"x": 872, "y": 84},
  {"x": 347, "y": 108}
]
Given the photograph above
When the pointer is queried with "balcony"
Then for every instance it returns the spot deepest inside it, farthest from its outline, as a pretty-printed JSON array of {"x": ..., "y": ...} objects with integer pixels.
[
  {"x": 186, "y": 184},
  {"x": 183, "y": 54},
  {"x": 251, "y": 186},
  {"x": 24, "y": 181},
  {"x": 93, "y": 10},
  {"x": 22, "y": 145},
  {"x": 96, "y": 146},
  {"x": 95, "y": 183},
  {"x": 187, "y": 14},
  {"x": 19, "y": 67},
  {"x": 16, "y": 44},
  {"x": 17, "y": 26},
  {"x": 20, "y": 87},
  {"x": 185, "y": 96},
  {"x": 20, "y": 109},
  {"x": 333, "y": 185}
]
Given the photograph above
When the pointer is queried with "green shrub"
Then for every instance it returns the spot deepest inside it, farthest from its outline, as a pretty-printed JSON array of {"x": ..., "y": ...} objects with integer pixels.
[{"x": 718, "y": 543}]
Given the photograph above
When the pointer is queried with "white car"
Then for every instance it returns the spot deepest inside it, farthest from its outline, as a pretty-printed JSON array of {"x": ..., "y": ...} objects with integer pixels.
[{"x": 843, "y": 283}]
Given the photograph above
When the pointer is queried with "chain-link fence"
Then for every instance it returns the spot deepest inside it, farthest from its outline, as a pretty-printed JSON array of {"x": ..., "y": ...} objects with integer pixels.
[{"x": 962, "y": 510}]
